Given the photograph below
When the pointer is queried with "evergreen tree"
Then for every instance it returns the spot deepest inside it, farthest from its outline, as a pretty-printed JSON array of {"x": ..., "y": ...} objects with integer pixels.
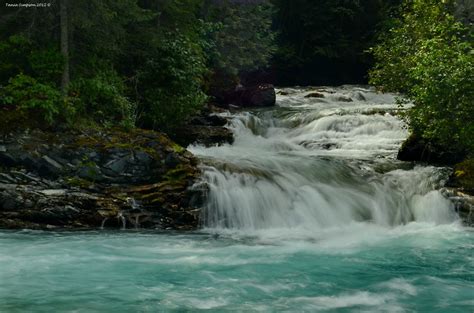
[
  {"x": 324, "y": 41},
  {"x": 242, "y": 40}
]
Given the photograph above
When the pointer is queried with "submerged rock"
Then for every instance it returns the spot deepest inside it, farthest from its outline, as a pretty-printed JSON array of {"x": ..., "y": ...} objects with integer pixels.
[
  {"x": 344, "y": 99},
  {"x": 86, "y": 180},
  {"x": 314, "y": 95}
]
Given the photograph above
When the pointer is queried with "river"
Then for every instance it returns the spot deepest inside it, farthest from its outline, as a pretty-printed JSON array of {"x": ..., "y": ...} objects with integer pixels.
[{"x": 308, "y": 210}]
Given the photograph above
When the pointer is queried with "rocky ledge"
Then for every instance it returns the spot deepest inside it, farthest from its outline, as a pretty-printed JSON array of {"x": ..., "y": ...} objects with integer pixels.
[
  {"x": 207, "y": 129},
  {"x": 463, "y": 204},
  {"x": 97, "y": 178},
  {"x": 460, "y": 185}
]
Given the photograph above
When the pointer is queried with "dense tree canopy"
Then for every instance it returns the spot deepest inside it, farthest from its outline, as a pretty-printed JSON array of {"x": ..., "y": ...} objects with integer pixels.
[
  {"x": 155, "y": 63},
  {"x": 324, "y": 41},
  {"x": 130, "y": 62}
]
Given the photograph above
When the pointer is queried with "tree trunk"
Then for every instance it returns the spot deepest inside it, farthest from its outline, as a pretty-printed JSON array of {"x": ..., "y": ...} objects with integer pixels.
[{"x": 64, "y": 45}]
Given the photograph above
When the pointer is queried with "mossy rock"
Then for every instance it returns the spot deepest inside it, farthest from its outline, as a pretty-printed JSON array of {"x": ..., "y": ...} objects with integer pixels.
[
  {"x": 463, "y": 176},
  {"x": 91, "y": 189}
]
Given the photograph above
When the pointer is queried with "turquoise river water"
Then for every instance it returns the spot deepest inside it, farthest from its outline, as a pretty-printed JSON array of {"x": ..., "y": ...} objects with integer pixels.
[{"x": 308, "y": 211}]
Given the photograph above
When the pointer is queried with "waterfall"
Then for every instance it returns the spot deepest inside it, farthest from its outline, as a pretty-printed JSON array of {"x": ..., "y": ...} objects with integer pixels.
[{"x": 313, "y": 163}]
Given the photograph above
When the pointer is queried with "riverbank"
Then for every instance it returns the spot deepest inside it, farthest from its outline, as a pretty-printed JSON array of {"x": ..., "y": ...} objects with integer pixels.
[
  {"x": 97, "y": 178},
  {"x": 113, "y": 178},
  {"x": 460, "y": 185}
]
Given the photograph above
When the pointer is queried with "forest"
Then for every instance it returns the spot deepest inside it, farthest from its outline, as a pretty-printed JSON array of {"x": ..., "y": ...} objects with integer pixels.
[
  {"x": 236, "y": 155},
  {"x": 153, "y": 64}
]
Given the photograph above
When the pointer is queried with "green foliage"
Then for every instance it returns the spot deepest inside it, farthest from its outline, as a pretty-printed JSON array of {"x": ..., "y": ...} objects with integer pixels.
[
  {"x": 25, "y": 93},
  {"x": 324, "y": 41},
  {"x": 243, "y": 37},
  {"x": 240, "y": 40},
  {"x": 429, "y": 56},
  {"x": 14, "y": 53},
  {"x": 102, "y": 98},
  {"x": 46, "y": 65},
  {"x": 21, "y": 55},
  {"x": 170, "y": 82}
]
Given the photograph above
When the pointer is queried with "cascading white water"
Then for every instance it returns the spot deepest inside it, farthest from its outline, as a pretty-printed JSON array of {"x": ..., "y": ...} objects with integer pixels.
[
  {"x": 305, "y": 214},
  {"x": 313, "y": 163}
]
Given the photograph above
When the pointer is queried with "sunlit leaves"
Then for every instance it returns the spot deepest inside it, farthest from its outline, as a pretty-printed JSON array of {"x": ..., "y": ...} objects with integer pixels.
[{"x": 428, "y": 56}]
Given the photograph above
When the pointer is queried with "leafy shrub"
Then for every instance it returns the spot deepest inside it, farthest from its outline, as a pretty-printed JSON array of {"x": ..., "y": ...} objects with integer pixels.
[
  {"x": 429, "y": 56},
  {"x": 14, "y": 53},
  {"x": 170, "y": 82},
  {"x": 102, "y": 98},
  {"x": 46, "y": 65},
  {"x": 20, "y": 55},
  {"x": 26, "y": 93}
]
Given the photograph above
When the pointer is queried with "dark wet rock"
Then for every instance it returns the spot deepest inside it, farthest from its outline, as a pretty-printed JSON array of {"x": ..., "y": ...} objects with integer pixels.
[
  {"x": 205, "y": 135},
  {"x": 360, "y": 96},
  {"x": 6, "y": 159},
  {"x": 48, "y": 166},
  {"x": 253, "y": 93},
  {"x": 172, "y": 160},
  {"x": 262, "y": 95},
  {"x": 207, "y": 128},
  {"x": 417, "y": 149},
  {"x": 118, "y": 165},
  {"x": 208, "y": 119},
  {"x": 460, "y": 185},
  {"x": 90, "y": 172},
  {"x": 86, "y": 179},
  {"x": 344, "y": 99},
  {"x": 314, "y": 95},
  {"x": 463, "y": 203},
  {"x": 463, "y": 177}
]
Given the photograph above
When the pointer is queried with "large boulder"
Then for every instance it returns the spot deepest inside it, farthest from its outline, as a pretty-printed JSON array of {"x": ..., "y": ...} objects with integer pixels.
[
  {"x": 463, "y": 204},
  {"x": 206, "y": 128},
  {"x": 416, "y": 148},
  {"x": 97, "y": 178},
  {"x": 262, "y": 95}
]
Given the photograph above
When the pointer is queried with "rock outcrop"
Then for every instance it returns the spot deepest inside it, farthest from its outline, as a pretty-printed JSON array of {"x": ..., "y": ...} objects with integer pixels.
[
  {"x": 95, "y": 178},
  {"x": 258, "y": 95},
  {"x": 207, "y": 129},
  {"x": 417, "y": 149},
  {"x": 463, "y": 203},
  {"x": 460, "y": 186},
  {"x": 262, "y": 95}
]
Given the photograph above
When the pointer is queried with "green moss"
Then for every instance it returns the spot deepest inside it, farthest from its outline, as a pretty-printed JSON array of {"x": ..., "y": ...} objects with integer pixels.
[
  {"x": 177, "y": 148},
  {"x": 179, "y": 173},
  {"x": 79, "y": 182},
  {"x": 464, "y": 174}
]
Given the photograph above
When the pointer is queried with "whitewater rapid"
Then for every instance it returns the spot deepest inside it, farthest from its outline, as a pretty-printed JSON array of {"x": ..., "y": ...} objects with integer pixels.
[
  {"x": 307, "y": 211},
  {"x": 312, "y": 163}
]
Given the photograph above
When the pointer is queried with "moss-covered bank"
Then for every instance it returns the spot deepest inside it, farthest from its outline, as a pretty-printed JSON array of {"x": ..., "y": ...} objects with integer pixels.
[{"x": 96, "y": 178}]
